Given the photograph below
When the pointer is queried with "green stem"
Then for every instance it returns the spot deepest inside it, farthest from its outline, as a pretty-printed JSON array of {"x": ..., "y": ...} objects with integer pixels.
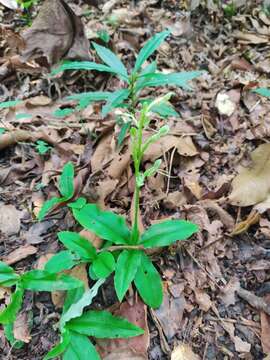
[
  {"x": 133, "y": 94},
  {"x": 137, "y": 157}
]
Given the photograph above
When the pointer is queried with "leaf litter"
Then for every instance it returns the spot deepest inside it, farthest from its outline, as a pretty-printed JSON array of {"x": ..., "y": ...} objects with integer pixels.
[{"x": 214, "y": 171}]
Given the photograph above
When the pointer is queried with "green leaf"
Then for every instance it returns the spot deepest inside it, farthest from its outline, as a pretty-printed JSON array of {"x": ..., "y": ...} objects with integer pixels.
[
  {"x": 104, "y": 224},
  {"x": 2, "y": 130},
  {"x": 148, "y": 283},
  {"x": 8, "y": 315},
  {"x": 165, "y": 110},
  {"x": 167, "y": 232},
  {"x": 7, "y": 275},
  {"x": 153, "y": 169},
  {"x": 63, "y": 112},
  {"x": 82, "y": 65},
  {"x": 123, "y": 132},
  {"x": 9, "y": 334},
  {"x": 64, "y": 260},
  {"x": 114, "y": 100},
  {"x": 78, "y": 203},
  {"x": 7, "y": 104},
  {"x": 42, "y": 147},
  {"x": 177, "y": 79},
  {"x": 39, "y": 280},
  {"x": 102, "y": 324},
  {"x": 48, "y": 205},
  {"x": 59, "y": 348},
  {"x": 111, "y": 60},
  {"x": 262, "y": 91},
  {"x": 91, "y": 96},
  {"x": 66, "y": 183},
  {"x": 103, "y": 35},
  {"x": 150, "y": 47},
  {"x": 126, "y": 268},
  {"x": 80, "y": 348},
  {"x": 103, "y": 265},
  {"x": 76, "y": 309},
  {"x": 78, "y": 244}
]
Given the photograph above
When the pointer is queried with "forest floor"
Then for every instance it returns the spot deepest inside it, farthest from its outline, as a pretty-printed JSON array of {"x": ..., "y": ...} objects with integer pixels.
[{"x": 206, "y": 313}]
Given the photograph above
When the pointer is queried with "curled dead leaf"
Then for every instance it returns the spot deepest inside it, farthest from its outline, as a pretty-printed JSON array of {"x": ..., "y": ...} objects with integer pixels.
[
  {"x": 251, "y": 186},
  {"x": 252, "y": 219}
]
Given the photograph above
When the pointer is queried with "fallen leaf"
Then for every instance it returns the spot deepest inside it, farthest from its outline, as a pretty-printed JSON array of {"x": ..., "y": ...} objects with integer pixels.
[
  {"x": 19, "y": 254},
  {"x": 21, "y": 328},
  {"x": 35, "y": 232},
  {"x": 170, "y": 314},
  {"x": 252, "y": 219},
  {"x": 10, "y": 4},
  {"x": 251, "y": 186},
  {"x": 55, "y": 33},
  {"x": 228, "y": 293},
  {"x": 10, "y": 219},
  {"x": 265, "y": 331},
  {"x": 203, "y": 299},
  {"x": 184, "y": 352}
]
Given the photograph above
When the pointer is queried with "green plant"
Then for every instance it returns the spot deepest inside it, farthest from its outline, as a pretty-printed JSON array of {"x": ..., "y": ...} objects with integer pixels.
[
  {"x": 42, "y": 147},
  {"x": 229, "y": 9},
  {"x": 139, "y": 78},
  {"x": 75, "y": 326},
  {"x": 125, "y": 249}
]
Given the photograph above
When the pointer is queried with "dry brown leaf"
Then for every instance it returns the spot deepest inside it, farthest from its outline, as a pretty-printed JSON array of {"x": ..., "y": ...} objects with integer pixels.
[
  {"x": 160, "y": 147},
  {"x": 252, "y": 219},
  {"x": 229, "y": 291},
  {"x": 10, "y": 219},
  {"x": 265, "y": 331},
  {"x": 55, "y": 33},
  {"x": 184, "y": 352},
  {"x": 19, "y": 254},
  {"x": 170, "y": 314},
  {"x": 203, "y": 299},
  {"x": 102, "y": 154},
  {"x": 186, "y": 147},
  {"x": 21, "y": 328},
  {"x": 251, "y": 186},
  {"x": 251, "y": 38}
]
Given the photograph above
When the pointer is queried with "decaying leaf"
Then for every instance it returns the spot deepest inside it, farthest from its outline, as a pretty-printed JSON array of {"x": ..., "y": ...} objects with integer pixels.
[
  {"x": 55, "y": 33},
  {"x": 253, "y": 218},
  {"x": 21, "y": 328},
  {"x": 19, "y": 254},
  {"x": 184, "y": 352},
  {"x": 9, "y": 219},
  {"x": 251, "y": 186}
]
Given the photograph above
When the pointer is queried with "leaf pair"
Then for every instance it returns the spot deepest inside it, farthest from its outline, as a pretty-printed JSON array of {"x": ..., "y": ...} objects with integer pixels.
[{"x": 66, "y": 189}]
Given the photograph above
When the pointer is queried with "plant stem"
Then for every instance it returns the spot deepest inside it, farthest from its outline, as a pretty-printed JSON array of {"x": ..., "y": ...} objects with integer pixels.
[
  {"x": 137, "y": 157},
  {"x": 133, "y": 94}
]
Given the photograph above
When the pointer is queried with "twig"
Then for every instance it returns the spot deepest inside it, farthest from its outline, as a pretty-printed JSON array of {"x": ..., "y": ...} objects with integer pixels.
[{"x": 233, "y": 321}]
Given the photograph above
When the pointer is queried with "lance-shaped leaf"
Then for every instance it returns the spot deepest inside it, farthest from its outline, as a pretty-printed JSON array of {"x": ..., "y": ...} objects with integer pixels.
[
  {"x": 126, "y": 268},
  {"x": 82, "y": 65},
  {"x": 148, "y": 283},
  {"x": 7, "y": 104},
  {"x": 78, "y": 244},
  {"x": 102, "y": 324},
  {"x": 114, "y": 100},
  {"x": 8, "y": 315},
  {"x": 150, "y": 47},
  {"x": 8, "y": 277},
  {"x": 92, "y": 96},
  {"x": 111, "y": 60},
  {"x": 49, "y": 205},
  {"x": 178, "y": 79},
  {"x": 66, "y": 183},
  {"x": 104, "y": 224},
  {"x": 167, "y": 232},
  {"x": 262, "y": 91},
  {"x": 39, "y": 280},
  {"x": 80, "y": 348}
]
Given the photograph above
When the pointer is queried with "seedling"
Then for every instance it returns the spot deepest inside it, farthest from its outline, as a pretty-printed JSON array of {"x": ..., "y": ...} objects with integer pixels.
[{"x": 42, "y": 147}]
